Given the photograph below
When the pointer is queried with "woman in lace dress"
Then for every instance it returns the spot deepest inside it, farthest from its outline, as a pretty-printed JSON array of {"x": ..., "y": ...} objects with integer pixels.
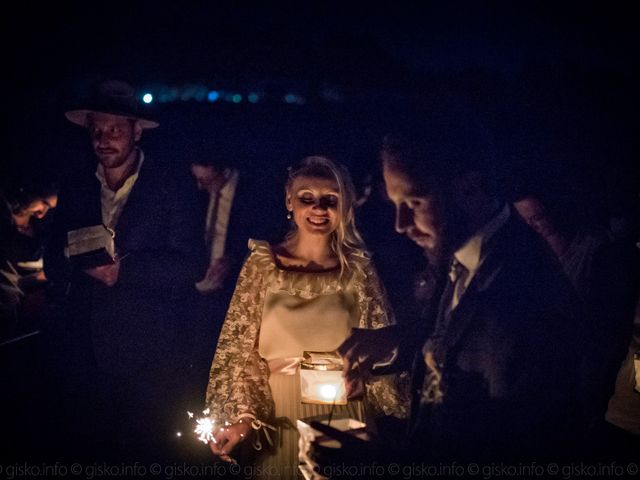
[{"x": 305, "y": 293}]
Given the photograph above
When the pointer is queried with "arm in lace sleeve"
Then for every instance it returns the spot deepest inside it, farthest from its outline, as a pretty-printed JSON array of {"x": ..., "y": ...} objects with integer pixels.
[
  {"x": 238, "y": 381},
  {"x": 386, "y": 394}
]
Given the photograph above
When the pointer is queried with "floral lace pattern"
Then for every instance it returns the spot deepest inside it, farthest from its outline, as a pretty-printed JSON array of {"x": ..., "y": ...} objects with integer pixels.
[{"x": 239, "y": 377}]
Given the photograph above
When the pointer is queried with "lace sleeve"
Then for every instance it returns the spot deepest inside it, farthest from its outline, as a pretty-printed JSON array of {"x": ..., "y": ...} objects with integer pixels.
[
  {"x": 386, "y": 394},
  {"x": 238, "y": 380}
]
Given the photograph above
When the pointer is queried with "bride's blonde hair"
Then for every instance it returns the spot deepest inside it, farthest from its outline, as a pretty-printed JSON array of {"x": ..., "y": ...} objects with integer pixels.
[{"x": 346, "y": 241}]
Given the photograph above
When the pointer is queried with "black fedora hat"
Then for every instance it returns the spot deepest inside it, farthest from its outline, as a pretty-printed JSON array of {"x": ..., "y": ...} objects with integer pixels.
[{"x": 114, "y": 97}]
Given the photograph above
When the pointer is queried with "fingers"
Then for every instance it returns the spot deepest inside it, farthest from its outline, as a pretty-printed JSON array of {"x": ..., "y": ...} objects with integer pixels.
[
  {"x": 343, "y": 437},
  {"x": 226, "y": 439},
  {"x": 354, "y": 350},
  {"x": 215, "y": 448},
  {"x": 217, "y": 271},
  {"x": 352, "y": 341},
  {"x": 354, "y": 388},
  {"x": 107, "y": 274},
  {"x": 220, "y": 453}
]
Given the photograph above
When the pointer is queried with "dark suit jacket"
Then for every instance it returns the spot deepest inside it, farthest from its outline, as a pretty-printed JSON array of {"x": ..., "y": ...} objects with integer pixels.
[
  {"x": 508, "y": 355},
  {"x": 139, "y": 323}
]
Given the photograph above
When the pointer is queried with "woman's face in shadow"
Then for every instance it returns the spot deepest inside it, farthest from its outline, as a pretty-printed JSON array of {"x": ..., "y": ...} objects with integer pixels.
[{"x": 314, "y": 204}]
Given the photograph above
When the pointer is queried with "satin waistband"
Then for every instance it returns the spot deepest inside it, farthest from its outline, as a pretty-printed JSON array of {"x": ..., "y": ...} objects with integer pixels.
[{"x": 284, "y": 366}]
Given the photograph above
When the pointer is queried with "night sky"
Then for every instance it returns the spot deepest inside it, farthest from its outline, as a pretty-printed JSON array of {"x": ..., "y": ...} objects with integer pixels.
[{"x": 552, "y": 77}]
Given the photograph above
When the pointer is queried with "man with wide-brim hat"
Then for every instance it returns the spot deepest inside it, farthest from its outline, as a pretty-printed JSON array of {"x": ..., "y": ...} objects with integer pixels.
[
  {"x": 137, "y": 303},
  {"x": 113, "y": 97}
]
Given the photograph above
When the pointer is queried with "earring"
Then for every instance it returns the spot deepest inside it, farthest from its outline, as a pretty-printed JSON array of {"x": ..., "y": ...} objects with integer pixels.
[{"x": 289, "y": 215}]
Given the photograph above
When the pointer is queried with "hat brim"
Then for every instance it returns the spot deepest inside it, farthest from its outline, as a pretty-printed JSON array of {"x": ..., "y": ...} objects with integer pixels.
[{"x": 79, "y": 117}]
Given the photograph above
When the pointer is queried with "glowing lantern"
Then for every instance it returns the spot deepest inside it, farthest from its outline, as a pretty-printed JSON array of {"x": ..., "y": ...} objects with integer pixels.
[{"x": 321, "y": 379}]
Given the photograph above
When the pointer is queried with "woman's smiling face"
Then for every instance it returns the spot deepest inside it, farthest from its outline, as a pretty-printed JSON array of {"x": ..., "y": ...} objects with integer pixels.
[{"x": 315, "y": 205}]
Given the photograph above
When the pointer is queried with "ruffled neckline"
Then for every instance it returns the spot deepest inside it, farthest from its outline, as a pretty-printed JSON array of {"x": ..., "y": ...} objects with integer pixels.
[{"x": 297, "y": 282}]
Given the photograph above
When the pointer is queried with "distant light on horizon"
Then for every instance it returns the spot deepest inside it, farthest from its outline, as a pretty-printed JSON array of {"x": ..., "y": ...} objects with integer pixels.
[
  {"x": 236, "y": 98},
  {"x": 213, "y": 96},
  {"x": 147, "y": 98},
  {"x": 293, "y": 98},
  {"x": 253, "y": 97}
]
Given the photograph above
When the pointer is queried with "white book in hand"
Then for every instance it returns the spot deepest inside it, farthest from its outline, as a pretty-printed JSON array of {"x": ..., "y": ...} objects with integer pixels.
[{"x": 91, "y": 247}]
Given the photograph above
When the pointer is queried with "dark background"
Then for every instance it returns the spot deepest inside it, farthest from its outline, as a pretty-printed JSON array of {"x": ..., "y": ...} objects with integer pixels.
[
  {"x": 555, "y": 80},
  {"x": 556, "y": 83}
]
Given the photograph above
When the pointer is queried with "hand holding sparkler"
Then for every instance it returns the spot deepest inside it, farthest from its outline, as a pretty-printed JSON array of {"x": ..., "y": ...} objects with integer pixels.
[{"x": 226, "y": 439}]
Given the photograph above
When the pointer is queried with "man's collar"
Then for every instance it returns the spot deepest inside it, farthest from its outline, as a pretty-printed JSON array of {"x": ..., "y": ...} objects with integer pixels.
[
  {"x": 231, "y": 180},
  {"x": 470, "y": 254}
]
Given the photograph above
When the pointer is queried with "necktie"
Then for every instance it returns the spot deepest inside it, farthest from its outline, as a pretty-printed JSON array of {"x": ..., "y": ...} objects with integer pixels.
[{"x": 458, "y": 276}]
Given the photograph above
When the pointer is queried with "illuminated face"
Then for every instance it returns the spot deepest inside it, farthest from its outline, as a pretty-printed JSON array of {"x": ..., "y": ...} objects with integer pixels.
[
  {"x": 532, "y": 211},
  {"x": 314, "y": 203},
  {"x": 52, "y": 200},
  {"x": 113, "y": 138},
  {"x": 419, "y": 215},
  {"x": 21, "y": 220},
  {"x": 37, "y": 208}
]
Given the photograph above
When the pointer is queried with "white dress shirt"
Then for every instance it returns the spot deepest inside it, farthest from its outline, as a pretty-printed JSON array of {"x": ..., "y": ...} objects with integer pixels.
[
  {"x": 113, "y": 202},
  {"x": 218, "y": 215},
  {"x": 471, "y": 255}
]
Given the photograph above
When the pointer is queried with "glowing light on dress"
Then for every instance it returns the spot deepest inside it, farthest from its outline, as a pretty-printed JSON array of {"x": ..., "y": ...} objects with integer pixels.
[
  {"x": 328, "y": 392},
  {"x": 321, "y": 380}
]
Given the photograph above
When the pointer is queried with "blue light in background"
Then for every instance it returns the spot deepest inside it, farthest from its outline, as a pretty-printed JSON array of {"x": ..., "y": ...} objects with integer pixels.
[
  {"x": 201, "y": 94},
  {"x": 236, "y": 98},
  {"x": 293, "y": 98},
  {"x": 168, "y": 95},
  {"x": 253, "y": 97},
  {"x": 213, "y": 96}
]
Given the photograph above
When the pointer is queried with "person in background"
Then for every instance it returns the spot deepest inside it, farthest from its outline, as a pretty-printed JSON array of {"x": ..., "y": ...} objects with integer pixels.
[
  {"x": 27, "y": 207},
  {"x": 618, "y": 437},
  {"x": 603, "y": 271},
  {"x": 127, "y": 321},
  {"x": 233, "y": 214},
  {"x": 220, "y": 182}
]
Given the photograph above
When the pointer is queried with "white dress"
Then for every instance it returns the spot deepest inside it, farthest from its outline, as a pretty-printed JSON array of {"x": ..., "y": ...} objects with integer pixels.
[{"x": 276, "y": 314}]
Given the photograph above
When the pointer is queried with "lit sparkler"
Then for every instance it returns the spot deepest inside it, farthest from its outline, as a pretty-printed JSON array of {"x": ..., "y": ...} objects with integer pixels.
[{"x": 204, "y": 427}]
